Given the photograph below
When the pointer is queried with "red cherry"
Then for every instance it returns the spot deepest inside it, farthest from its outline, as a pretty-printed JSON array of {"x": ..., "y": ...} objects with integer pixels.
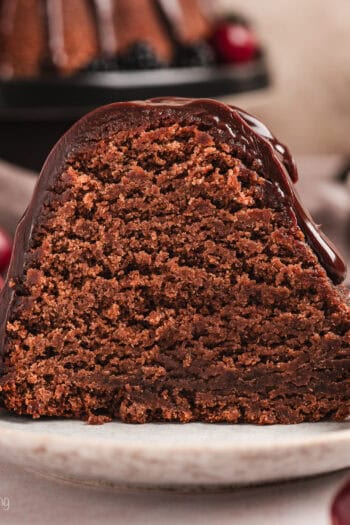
[
  {"x": 341, "y": 507},
  {"x": 5, "y": 250},
  {"x": 234, "y": 42}
]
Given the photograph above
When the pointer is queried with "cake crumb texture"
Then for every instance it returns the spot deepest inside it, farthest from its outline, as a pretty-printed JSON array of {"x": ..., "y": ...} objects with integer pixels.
[{"x": 165, "y": 281}]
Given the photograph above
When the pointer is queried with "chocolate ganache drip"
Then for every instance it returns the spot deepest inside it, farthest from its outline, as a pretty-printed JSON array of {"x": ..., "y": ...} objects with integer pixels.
[
  {"x": 284, "y": 167},
  {"x": 276, "y": 163},
  {"x": 253, "y": 138}
]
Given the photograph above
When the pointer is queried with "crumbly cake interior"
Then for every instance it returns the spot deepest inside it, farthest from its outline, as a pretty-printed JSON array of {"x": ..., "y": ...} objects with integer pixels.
[{"x": 166, "y": 281}]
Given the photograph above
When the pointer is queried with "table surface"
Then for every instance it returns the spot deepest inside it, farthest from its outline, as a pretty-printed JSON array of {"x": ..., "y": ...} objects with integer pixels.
[
  {"x": 35, "y": 499},
  {"x": 27, "y": 497}
]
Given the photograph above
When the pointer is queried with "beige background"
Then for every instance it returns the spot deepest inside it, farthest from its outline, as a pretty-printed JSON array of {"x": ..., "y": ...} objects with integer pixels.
[{"x": 308, "y": 44}]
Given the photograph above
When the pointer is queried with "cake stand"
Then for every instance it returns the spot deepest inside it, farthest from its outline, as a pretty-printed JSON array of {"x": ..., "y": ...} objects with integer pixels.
[{"x": 35, "y": 112}]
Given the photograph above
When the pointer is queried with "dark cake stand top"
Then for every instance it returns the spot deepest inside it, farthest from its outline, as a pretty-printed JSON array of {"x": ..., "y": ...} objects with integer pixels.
[{"x": 53, "y": 98}]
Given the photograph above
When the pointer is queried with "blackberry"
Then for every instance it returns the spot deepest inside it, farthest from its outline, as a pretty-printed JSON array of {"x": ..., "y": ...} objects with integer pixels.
[
  {"x": 103, "y": 64},
  {"x": 196, "y": 54},
  {"x": 140, "y": 56}
]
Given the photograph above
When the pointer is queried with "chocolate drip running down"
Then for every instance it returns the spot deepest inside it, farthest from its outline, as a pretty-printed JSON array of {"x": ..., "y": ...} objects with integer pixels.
[
  {"x": 104, "y": 10},
  {"x": 324, "y": 249},
  {"x": 277, "y": 162},
  {"x": 55, "y": 27},
  {"x": 172, "y": 13},
  {"x": 185, "y": 22}
]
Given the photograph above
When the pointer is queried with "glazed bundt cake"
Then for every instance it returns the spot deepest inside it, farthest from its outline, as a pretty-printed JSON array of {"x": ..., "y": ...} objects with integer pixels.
[
  {"x": 166, "y": 270},
  {"x": 66, "y": 36}
]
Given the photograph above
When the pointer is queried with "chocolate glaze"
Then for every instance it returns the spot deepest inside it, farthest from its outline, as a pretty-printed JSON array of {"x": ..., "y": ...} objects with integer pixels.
[
  {"x": 173, "y": 17},
  {"x": 277, "y": 163},
  {"x": 55, "y": 30},
  {"x": 282, "y": 167},
  {"x": 104, "y": 12},
  {"x": 230, "y": 123}
]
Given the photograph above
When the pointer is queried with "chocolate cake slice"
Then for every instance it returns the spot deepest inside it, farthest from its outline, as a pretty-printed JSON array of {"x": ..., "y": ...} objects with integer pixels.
[{"x": 167, "y": 271}]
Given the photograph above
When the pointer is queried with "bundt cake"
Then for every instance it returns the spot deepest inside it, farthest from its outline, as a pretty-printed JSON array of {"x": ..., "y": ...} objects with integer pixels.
[
  {"x": 66, "y": 36},
  {"x": 166, "y": 270}
]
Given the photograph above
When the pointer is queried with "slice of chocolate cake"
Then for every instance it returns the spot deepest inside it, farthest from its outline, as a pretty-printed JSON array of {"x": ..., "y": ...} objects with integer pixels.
[{"x": 167, "y": 271}]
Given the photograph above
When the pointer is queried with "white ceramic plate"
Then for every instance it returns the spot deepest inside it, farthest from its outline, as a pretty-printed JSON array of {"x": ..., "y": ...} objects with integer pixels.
[{"x": 173, "y": 455}]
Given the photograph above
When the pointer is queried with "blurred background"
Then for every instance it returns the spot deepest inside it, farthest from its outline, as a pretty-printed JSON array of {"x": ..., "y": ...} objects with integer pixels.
[
  {"x": 287, "y": 62},
  {"x": 305, "y": 46},
  {"x": 308, "y": 46}
]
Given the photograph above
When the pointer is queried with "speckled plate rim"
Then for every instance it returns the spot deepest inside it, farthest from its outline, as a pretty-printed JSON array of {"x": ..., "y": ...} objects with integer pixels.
[
  {"x": 313, "y": 440},
  {"x": 173, "y": 455}
]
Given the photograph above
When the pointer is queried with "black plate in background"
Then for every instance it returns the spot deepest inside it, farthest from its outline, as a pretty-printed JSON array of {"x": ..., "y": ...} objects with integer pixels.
[{"x": 34, "y": 113}]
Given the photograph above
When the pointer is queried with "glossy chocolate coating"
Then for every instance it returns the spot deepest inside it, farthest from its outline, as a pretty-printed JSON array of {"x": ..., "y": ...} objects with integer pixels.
[
  {"x": 284, "y": 166},
  {"x": 277, "y": 163},
  {"x": 254, "y": 139}
]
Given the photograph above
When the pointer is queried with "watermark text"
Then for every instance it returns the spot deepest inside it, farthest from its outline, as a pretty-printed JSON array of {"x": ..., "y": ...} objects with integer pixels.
[{"x": 4, "y": 503}]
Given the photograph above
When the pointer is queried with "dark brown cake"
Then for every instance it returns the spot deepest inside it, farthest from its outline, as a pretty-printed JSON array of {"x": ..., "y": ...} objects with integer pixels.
[
  {"x": 67, "y": 35},
  {"x": 45, "y": 34},
  {"x": 166, "y": 271}
]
